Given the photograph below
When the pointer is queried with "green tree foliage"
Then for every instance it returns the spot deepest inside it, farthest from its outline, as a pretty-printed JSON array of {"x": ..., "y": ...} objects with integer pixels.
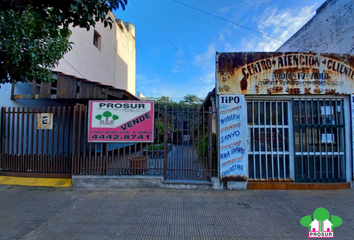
[
  {"x": 99, "y": 117},
  {"x": 187, "y": 110},
  {"x": 107, "y": 114},
  {"x": 192, "y": 99},
  {"x": 115, "y": 117},
  {"x": 34, "y": 34}
]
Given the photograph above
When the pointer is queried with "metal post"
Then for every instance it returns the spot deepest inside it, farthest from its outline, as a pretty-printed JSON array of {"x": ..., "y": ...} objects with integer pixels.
[
  {"x": 73, "y": 158},
  {"x": 210, "y": 144},
  {"x": 165, "y": 142}
]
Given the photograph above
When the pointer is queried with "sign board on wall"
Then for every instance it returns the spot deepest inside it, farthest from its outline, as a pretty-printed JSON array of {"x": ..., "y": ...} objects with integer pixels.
[
  {"x": 233, "y": 138},
  {"x": 45, "y": 121},
  {"x": 284, "y": 73},
  {"x": 121, "y": 121}
]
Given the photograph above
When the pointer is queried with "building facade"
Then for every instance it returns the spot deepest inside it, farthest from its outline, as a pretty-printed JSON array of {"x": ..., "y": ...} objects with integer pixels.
[
  {"x": 285, "y": 117},
  {"x": 331, "y": 30},
  {"x": 103, "y": 55},
  {"x": 43, "y": 124}
]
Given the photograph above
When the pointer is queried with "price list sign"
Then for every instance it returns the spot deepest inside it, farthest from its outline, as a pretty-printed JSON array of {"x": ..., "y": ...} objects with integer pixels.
[{"x": 121, "y": 121}]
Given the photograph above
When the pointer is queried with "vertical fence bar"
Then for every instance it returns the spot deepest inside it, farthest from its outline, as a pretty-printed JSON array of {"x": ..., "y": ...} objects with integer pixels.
[
  {"x": 78, "y": 138},
  {"x": 47, "y": 163},
  {"x": 23, "y": 161},
  {"x": 57, "y": 157},
  {"x": 2, "y": 138},
  {"x": 32, "y": 138},
  {"x": 332, "y": 112},
  {"x": 66, "y": 161},
  {"x": 319, "y": 136},
  {"x": 62, "y": 154},
  {"x": 253, "y": 140},
  {"x": 313, "y": 140},
  {"x": 73, "y": 157},
  {"x": 210, "y": 143},
  {"x": 52, "y": 143},
  {"x": 85, "y": 168},
  {"x": 165, "y": 142},
  {"x": 37, "y": 144}
]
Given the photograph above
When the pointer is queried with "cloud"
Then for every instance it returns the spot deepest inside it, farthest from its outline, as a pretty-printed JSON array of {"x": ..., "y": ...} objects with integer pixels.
[
  {"x": 279, "y": 24},
  {"x": 205, "y": 57},
  {"x": 205, "y": 61},
  {"x": 179, "y": 61},
  {"x": 141, "y": 77}
]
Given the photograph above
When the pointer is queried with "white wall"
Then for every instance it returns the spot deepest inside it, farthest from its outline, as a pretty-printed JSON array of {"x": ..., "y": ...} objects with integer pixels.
[
  {"x": 113, "y": 64},
  {"x": 330, "y": 30}
]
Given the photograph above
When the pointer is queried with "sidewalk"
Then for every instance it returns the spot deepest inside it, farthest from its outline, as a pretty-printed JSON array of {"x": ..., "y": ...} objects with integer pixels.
[{"x": 52, "y": 213}]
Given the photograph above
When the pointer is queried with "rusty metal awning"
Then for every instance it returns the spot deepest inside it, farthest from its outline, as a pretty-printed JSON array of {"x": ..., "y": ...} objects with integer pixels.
[{"x": 71, "y": 87}]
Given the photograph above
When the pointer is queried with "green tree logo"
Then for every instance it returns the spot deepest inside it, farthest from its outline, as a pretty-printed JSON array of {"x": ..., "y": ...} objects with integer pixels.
[
  {"x": 99, "y": 117},
  {"x": 320, "y": 215},
  {"x": 106, "y": 115}
]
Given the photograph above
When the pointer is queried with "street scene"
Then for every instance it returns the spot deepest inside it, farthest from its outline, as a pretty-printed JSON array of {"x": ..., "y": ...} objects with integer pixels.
[{"x": 176, "y": 119}]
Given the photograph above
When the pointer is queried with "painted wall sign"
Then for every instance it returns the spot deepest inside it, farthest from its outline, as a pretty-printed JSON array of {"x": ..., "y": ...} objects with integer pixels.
[
  {"x": 233, "y": 138},
  {"x": 121, "y": 121},
  {"x": 44, "y": 120},
  {"x": 284, "y": 73}
]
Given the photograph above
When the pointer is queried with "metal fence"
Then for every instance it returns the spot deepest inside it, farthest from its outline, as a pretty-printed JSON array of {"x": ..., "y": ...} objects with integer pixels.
[
  {"x": 183, "y": 147},
  {"x": 26, "y": 149}
]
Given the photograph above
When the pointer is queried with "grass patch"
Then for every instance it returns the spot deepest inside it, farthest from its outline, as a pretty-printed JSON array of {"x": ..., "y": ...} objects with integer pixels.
[{"x": 155, "y": 147}]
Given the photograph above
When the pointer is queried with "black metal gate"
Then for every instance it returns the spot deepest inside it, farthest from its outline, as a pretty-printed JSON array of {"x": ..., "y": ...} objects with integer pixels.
[{"x": 189, "y": 144}]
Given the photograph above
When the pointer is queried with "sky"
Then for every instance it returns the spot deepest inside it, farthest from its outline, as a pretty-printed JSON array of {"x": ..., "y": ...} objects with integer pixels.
[{"x": 176, "y": 40}]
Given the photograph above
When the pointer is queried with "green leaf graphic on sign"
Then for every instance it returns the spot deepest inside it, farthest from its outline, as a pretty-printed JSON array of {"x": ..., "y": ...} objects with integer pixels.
[
  {"x": 115, "y": 117},
  {"x": 107, "y": 114},
  {"x": 99, "y": 117},
  {"x": 321, "y": 214},
  {"x": 306, "y": 221},
  {"x": 336, "y": 221}
]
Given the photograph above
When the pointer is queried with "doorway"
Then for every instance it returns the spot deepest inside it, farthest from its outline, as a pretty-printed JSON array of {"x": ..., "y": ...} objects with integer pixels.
[{"x": 319, "y": 140}]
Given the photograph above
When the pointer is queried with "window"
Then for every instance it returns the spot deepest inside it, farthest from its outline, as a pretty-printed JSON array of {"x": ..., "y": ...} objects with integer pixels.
[
  {"x": 97, "y": 39},
  {"x": 269, "y": 144}
]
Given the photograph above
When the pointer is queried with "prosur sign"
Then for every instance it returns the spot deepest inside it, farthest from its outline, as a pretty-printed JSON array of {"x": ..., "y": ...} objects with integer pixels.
[{"x": 121, "y": 121}]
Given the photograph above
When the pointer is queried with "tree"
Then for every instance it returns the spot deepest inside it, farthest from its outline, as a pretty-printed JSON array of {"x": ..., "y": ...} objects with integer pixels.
[
  {"x": 192, "y": 99},
  {"x": 34, "y": 34}
]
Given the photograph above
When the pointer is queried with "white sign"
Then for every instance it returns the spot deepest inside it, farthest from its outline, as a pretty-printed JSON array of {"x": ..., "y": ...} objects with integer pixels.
[
  {"x": 327, "y": 138},
  {"x": 233, "y": 137},
  {"x": 121, "y": 121},
  {"x": 45, "y": 121}
]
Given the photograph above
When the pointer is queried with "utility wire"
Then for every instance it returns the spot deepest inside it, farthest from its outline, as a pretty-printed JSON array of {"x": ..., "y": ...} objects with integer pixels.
[
  {"x": 179, "y": 52},
  {"x": 237, "y": 24}
]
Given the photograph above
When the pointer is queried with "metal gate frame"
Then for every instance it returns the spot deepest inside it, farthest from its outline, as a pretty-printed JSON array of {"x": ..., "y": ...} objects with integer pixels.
[
  {"x": 188, "y": 168},
  {"x": 27, "y": 150},
  {"x": 338, "y": 125}
]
